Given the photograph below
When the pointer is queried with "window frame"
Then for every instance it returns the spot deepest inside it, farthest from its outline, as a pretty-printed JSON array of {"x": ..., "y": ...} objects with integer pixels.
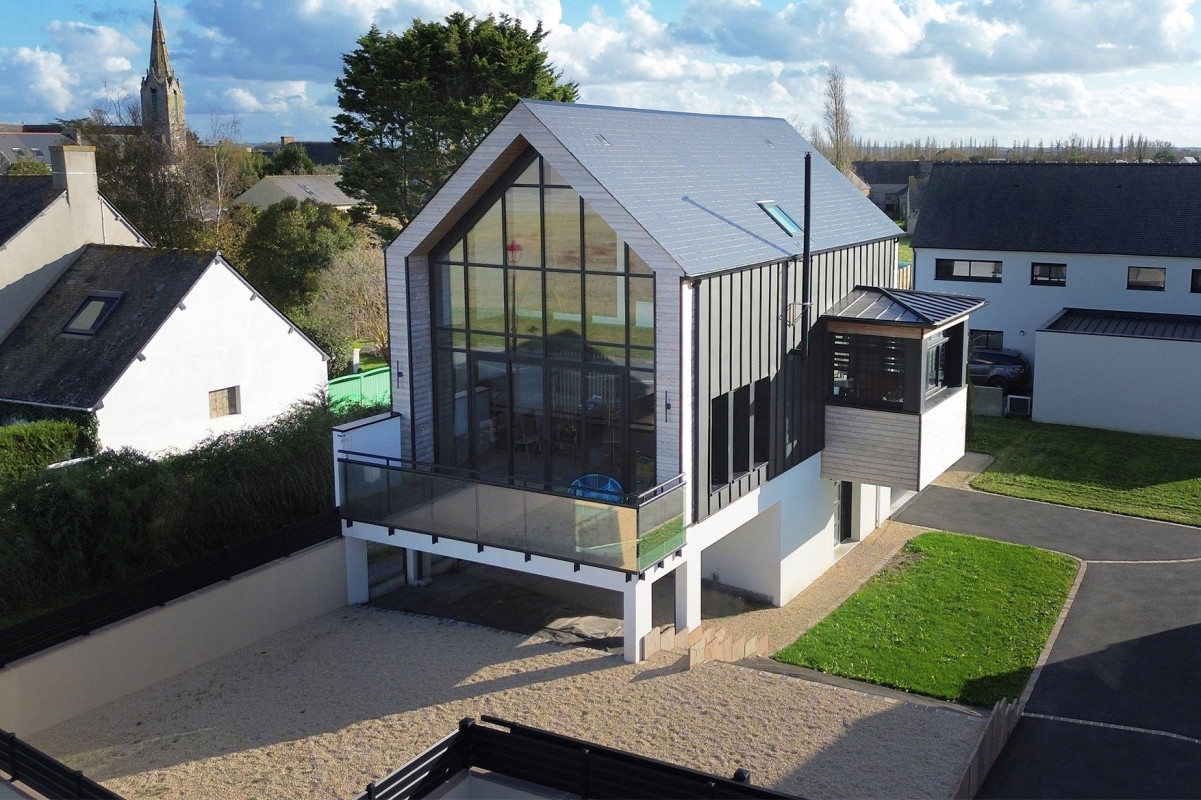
[
  {"x": 1048, "y": 280},
  {"x": 1146, "y": 287},
  {"x": 986, "y": 334},
  {"x": 944, "y": 270},
  {"x": 109, "y": 301},
  {"x": 1195, "y": 285}
]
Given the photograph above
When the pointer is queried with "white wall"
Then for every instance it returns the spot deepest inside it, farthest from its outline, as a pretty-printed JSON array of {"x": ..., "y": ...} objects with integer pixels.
[
  {"x": 776, "y": 540},
  {"x": 224, "y": 334},
  {"x": 38, "y": 254},
  {"x": 1119, "y": 383},
  {"x": 1093, "y": 281},
  {"x": 85, "y": 673}
]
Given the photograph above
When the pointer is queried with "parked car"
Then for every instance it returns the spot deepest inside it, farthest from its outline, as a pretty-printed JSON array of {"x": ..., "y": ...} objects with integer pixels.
[{"x": 1007, "y": 369}]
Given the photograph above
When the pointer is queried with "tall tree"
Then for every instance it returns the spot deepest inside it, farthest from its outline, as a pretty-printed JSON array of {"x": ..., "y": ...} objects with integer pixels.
[
  {"x": 840, "y": 133},
  {"x": 414, "y": 105},
  {"x": 291, "y": 159}
]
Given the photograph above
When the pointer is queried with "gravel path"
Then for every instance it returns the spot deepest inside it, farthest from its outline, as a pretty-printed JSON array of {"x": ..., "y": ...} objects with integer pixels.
[{"x": 321, "y": 709}]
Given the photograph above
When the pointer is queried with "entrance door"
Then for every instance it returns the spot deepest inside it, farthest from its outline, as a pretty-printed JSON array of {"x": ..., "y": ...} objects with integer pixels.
[{"x": 842, "y": 512}]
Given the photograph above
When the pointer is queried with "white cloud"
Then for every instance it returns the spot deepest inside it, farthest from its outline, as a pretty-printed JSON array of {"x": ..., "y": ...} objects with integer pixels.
[{"x": 40, "y": 75}]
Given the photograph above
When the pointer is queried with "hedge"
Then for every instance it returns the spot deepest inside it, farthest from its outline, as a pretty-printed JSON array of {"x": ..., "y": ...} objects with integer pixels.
[{"x": 27, "y": 448}]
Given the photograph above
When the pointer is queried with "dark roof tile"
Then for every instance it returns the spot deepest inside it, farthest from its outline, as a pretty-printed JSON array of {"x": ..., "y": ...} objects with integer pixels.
[
  {"x": 1130, "y": 209},
  {"x": 22, "y": 198}
]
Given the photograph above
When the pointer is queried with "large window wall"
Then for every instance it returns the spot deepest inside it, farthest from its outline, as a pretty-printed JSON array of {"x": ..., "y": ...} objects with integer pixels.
[{"x": 544, "y": 326}]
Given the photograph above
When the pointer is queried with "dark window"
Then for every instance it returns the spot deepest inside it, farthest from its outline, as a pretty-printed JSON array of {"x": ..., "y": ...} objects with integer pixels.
[
  {"x": 719, "y": 440},
  {"x": 936, "y": 365},
  {"x": 987, "y": 340},
  {"x": 1196, "y": 284},
  {"x": 1042, "y": 274},
  {"x": 762, "y": 415},
  {"x": 957, "y": 269},
  {"x": 741, "y": 449},
  {"x": 1149, "y": 279},
  {"x": 868, "y": 369},
  {"x": 90, "y": 315}
]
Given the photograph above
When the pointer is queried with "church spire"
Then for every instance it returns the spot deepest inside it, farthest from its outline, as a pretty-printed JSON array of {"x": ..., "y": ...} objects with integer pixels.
[
  {"x": 160, "y": 63},
  {"x": 162, "y": 94}
]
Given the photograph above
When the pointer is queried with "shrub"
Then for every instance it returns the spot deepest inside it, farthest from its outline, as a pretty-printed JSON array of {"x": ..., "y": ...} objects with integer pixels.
[
  {"x": 27, "y": 448},
  {"x": 98, "y": 524}
]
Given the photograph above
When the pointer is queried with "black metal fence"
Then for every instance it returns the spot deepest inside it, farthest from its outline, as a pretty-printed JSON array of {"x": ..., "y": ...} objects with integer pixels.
[
  {"x": 81, "y": 618},
  {"x": 558, "y": 762},
  {"x": 45, "y": 775}
]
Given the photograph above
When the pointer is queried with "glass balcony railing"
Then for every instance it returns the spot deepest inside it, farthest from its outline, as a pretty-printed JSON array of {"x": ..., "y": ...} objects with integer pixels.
[{"x": 626, "y": 532}]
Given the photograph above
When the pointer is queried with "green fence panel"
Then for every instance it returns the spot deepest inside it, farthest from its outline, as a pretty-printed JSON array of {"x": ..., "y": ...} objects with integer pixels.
[{"x": 373, "y": 387}]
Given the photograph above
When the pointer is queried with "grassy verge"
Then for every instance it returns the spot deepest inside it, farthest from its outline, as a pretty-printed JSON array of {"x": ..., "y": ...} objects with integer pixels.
[
  {"x": 953, "y": 617},
  {"x": 1126, "y": 473}
]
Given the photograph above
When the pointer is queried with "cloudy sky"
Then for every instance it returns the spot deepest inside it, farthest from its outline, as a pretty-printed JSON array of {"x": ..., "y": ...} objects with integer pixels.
[{"x": 1010, "y": 69}]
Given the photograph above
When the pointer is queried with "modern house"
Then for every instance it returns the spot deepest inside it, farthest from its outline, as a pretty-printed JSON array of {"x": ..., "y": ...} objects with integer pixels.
[
  {"x": 318, "y": 188},
  {"x": 634, "y": 345},
  {"x": 1092, "y": 271}
]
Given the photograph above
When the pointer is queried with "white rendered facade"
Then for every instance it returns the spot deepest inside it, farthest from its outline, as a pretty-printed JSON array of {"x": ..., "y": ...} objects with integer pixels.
[
  {"x": 222, "y": 336},
  {"x": 1018, "y": 308}
]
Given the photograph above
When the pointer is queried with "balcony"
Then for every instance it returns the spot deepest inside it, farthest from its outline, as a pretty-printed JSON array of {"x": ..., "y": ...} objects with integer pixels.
[{"x": 623, "y": 532}]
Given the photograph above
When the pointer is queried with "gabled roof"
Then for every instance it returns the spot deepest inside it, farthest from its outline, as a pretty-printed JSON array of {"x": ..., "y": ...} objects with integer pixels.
[
  {"x": 18, "y": 145},
  {"x": 40, "y": 364},
  {"x": 318, "y": 188},
  {"x": 691, "y": 182},
  {"x": 22, "y": 198},
  {"x": 1130, "y": 209},
  {"x": 1133, "y": 324},
  {"x": 877, "y": 173},
  {"x": 903, "y": 307}
]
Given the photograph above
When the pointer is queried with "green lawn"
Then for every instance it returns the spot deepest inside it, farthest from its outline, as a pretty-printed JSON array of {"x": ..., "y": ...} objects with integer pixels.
[
  {"x": 954, "y": 617},
  {"x": 906, "y": 249},
  {"x": 1144, "y": 476}
]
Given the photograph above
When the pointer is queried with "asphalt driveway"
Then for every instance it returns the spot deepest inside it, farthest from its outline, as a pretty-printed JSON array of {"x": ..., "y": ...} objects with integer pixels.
[{"x": 1116, "y": 711}]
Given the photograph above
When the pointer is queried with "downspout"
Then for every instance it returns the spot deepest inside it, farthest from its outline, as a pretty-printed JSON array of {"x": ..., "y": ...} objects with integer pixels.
[{"x": 805, "y": 265}]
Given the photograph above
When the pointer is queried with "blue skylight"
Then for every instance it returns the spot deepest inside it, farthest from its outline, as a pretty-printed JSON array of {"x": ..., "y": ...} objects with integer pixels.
[{"x": 781, "y": 218}]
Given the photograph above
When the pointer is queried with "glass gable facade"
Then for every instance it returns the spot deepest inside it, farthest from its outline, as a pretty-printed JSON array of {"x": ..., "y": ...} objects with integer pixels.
[{"x": 544, "y": 331}]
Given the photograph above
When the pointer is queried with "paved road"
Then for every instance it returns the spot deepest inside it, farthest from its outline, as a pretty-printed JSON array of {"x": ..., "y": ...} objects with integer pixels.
[{"x": 1116, "y": 711}]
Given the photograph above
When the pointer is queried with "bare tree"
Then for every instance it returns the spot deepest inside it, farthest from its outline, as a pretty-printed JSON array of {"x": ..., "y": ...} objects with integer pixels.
[{"x": 840, "y": 133}]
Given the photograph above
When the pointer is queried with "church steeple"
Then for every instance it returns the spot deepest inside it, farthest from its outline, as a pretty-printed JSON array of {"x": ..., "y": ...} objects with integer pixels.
[{"x": 162, "y": 93}]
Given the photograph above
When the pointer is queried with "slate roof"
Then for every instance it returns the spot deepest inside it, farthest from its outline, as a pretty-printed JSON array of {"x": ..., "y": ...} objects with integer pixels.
[
  {"x": 25, "y": 142},
  {"x": 318, "y": 188},
  {"x": 902, "y": 307},
  {"x": 40, "y": 364},
  {"x": 22, "y": 198},
  {"x": 1128, "y": 209},
  {"x": 693, "y": 182},
  {"x": 322, "y": 153},
  {"x": 1178, "y": 327},
  {"x": 877, "y": 173}
]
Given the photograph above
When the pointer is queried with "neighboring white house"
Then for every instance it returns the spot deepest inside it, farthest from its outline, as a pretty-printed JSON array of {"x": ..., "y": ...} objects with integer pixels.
[
  {"x": 44, "y": 223},
  {"x": 627, "y": 345},
  {"x": 166, "y": 347},
  {"x": 318, "y": 188},
  {"x": 1073, "y": 257}
]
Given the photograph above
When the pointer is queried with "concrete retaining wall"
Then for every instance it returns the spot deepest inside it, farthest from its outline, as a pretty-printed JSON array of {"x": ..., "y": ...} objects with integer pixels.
[{"x": 84, "y": 673}]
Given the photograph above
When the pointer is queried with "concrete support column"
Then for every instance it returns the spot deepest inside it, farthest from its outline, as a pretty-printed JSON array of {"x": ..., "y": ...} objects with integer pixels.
[
  {"x": 357, "y": 585},
  {"x": 688, "y": 594},
  {"x": 637, "y": 617},
  {"x": 418, "y": 567}
]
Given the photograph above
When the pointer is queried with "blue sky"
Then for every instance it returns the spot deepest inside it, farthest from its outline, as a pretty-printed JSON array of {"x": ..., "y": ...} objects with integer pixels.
[{"x": 947, "y": 69}]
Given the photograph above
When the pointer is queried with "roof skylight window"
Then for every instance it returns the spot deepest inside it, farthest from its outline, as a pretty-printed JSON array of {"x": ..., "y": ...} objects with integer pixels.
[
  {"x": 781, "y": 218},
  {"x": 91, "y": 314}
]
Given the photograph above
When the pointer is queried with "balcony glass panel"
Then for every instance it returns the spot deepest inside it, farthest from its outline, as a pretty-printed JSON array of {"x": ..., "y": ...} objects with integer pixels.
[{"x": 629, "y": 535}]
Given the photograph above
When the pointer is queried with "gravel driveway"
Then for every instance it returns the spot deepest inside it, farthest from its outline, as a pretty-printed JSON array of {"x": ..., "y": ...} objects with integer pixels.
[{"x": 321, "y": 709}]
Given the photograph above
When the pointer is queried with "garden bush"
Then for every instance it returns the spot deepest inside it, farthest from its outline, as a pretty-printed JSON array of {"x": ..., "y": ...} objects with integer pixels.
[
  {"x": 87, "y": 527},
  {"x": 27, "y": 448}
]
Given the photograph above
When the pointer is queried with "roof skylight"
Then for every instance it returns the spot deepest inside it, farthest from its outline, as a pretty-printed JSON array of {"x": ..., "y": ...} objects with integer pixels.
[
  {"x": 781, "y": 218},
  {"x": 91, "y": 314}
]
